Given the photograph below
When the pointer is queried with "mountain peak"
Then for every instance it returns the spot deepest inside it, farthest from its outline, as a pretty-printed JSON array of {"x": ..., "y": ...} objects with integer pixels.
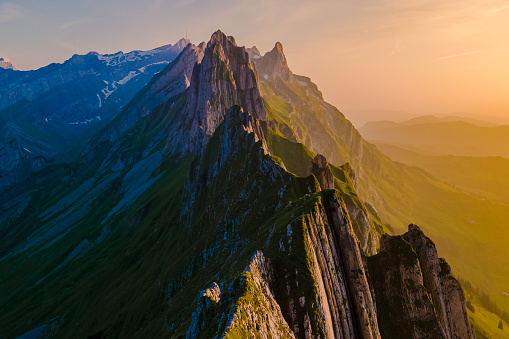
[
  {"x": 273, "y": 64},
  {"x": 182, "y": 43},
  {"x": 5, "y": 64},
  {"x": 220, "y": 37},
  {"x": 254, "y": 53}
]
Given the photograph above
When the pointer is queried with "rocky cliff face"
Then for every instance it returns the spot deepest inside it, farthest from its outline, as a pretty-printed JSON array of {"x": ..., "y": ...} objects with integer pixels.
[
  {"x": 17, "y": 164},
  {"x": 445, "y": 291},
  {"x": 160, "y": 92},
  {"x": 416, "y": 295}
]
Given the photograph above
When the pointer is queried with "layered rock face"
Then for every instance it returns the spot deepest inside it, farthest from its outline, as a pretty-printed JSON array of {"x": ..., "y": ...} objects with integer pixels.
[
  {"x": 416, "y": 295},
  {"x": 224, "y": 77},
  {"x": 343, "y": 299}
]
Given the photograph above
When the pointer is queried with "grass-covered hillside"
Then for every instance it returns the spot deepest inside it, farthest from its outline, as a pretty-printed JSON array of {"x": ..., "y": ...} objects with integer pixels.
[{"x": 469, "y": 231}]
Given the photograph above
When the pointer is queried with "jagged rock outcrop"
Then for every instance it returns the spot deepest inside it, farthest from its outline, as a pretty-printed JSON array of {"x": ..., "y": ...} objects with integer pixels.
[
  {"x": 206, "y": 302},
  {"x": 238, "y": 132},
  {"x": 416, "y": 295},
  {"x": 321, "y": 170},
  {"x": 257, "y": 315},
  {"x": 445, "y": 291},
  {"x": 225, "y": 77},
  {"x": 405, "y": 309},
  {"x": 273, "y": 64},
  {"x": 343, "y": 300},
  {"x": 246, "y": 308}
]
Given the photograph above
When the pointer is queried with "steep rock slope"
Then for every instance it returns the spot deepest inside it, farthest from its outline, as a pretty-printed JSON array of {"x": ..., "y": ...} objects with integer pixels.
[{"x": 224, "y": 77}]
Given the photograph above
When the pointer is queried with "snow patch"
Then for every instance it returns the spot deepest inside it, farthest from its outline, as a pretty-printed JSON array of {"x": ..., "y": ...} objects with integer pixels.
[
  {"x": 142, "y": 70},
  {"x": 121, "y": 58},
  {"x": 302, "y": 83},
  {"x": 266, "y": 76},
  {"x": 256, "y": 56},
  {"x": 26, "y": 149},
  {"x": 100, "y": 101},
  {"x": 131, "y": 75}
]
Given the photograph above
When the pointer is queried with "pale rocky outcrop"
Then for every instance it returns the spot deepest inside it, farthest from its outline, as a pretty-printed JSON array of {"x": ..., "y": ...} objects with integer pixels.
[{"x": 208, "y": 298}]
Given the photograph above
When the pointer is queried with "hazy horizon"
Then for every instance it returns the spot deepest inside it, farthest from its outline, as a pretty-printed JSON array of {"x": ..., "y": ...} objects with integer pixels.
[{"x": 427, "y": 57}]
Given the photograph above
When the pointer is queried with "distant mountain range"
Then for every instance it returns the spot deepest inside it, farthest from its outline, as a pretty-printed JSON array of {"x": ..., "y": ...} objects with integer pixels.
[
  {"x": 47, "y": 111},
  {"x": 488, "y": 176},
  {"x": 449, "y": 135}
]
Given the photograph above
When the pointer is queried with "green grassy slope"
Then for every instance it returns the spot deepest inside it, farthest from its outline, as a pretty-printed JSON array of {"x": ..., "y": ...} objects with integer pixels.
[{"x": 470, "y": 232}]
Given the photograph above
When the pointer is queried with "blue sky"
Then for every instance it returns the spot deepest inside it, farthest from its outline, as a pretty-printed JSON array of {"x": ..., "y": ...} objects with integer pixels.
[{"x": 422, "y": 56}]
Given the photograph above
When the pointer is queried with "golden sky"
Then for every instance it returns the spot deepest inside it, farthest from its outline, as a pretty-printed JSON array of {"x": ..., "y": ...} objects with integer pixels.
[{"x": 420, "y": 56}]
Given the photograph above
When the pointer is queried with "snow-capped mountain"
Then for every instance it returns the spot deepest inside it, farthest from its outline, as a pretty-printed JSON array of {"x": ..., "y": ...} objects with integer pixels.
[{"x": 51, "y": 109}]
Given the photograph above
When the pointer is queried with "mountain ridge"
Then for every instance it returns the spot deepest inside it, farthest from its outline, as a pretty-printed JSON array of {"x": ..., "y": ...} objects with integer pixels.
[{"x": 187, "y": 214}]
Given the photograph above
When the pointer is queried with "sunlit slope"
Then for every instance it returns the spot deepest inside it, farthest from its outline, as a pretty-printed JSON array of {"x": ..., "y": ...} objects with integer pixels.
[
  {"x": 488, "y": 176},
  {"x": 470, "y": 232}
]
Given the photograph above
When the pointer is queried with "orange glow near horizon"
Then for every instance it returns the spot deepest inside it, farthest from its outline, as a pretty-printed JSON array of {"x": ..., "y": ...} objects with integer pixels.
[{"x": 422, "y": 57}]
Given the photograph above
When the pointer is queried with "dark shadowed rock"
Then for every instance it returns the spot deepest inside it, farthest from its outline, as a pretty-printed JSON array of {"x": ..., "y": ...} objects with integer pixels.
[
  {"x": 416, "y": 295},
  {"x": 445, "y": 291}
]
